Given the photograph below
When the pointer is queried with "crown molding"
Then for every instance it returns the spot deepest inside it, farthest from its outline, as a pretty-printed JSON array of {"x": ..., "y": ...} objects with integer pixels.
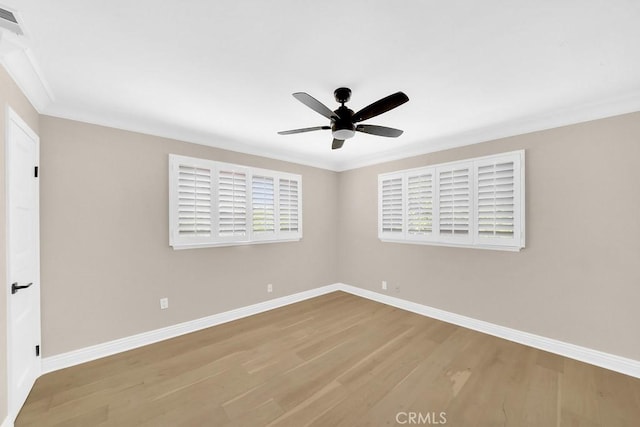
[
  {"x": 169, "y": 131},
  {"x": 615, "y": 106},
  {"x": 17, "y": 59},
  {"x": 628, "y": 103}
]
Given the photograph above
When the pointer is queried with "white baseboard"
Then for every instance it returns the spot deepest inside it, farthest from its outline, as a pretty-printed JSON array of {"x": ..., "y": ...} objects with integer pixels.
[
  {"x": 7, "y": 422},
  {"x": 87, "y": 354},
  {"x": 594, "y": 357},
  {"x": 605, "y": 360}
]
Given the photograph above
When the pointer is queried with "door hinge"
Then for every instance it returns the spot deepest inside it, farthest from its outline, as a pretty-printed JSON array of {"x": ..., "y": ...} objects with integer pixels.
[
  {"x": 35, "y": 172},
  {"x": 37, "y": 350}
]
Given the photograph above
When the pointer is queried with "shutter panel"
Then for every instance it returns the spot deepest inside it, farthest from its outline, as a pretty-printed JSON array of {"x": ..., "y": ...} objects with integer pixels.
[
  {"x": 454, "y": 202},
  {"x": 232, "y": 205},
  {"x": 498, "y": 201},
  {"x": 191, "y": 190},
  {"x": 420, "y": 204},
  {"x": 263, "y": 205},
  {"x": 289, "y": 205},
  {"x": 391, "y": 207},
  {"x": 194, "y": 201}
]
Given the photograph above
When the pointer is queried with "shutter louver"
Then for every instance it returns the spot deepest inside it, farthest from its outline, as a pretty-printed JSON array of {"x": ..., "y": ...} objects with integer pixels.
[
  {"x": 454, "y": 201},
  {"x": 263, "y": 204},
  {"x": 498, "y": 201},
  {"x": 420, "y": 204},
  {"x": 194, "y": 201},
  {"x": 392, "y": 206},
  {"x": 232, "y": 203},
  {"x": 288, "y": 205}
]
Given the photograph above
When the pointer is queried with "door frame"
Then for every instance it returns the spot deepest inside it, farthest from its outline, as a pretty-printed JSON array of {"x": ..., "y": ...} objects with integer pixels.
[{"x": 12, "y": 117}]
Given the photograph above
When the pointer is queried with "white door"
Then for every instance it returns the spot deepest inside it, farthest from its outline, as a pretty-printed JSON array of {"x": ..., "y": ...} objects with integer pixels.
[{"x": 23, "y": 250}]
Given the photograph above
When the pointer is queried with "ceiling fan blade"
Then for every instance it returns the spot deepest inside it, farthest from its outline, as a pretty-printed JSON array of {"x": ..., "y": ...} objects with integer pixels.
[
  {"x": 379, "y": 130},
  {"x": 314, "y": 104},
  {"x": 380, "y": 106},
  {"x": 337, "y": 143},
  {"x": 290, "y": 132}
]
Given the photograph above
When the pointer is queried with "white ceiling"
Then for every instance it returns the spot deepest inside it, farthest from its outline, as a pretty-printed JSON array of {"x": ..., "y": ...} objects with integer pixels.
[{"x": 222, "y": 72}]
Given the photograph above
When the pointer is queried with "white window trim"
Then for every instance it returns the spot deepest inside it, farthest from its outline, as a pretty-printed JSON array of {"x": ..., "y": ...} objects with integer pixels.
[
  {"x": 251, "y": 237},
  {"x": 473, "y": 240}
]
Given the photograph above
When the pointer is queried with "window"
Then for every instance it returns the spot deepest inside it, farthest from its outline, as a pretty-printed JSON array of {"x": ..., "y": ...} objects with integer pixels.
[
  {"x": 471, "y": 203},
  {"x": 216, "y": 204}
]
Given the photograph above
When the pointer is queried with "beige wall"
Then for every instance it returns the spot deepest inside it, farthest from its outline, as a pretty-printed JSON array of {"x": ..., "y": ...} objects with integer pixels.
[
  {"x": 106, "y": 260},
  {"x": 10, "y": 95},
  {"x": 577, "y": 280}
]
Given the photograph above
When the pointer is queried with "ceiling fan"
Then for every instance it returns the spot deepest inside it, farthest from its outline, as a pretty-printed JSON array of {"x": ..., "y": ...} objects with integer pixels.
[{"x": 344, "y": 122}]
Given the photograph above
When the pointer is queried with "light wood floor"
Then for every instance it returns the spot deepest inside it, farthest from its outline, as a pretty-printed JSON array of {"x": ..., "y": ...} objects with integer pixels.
[{"x": 335, "y": 360}]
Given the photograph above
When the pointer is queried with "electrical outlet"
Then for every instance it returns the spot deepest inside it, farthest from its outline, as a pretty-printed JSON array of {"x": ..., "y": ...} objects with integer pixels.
[
  {"x": 384, "y": 285},
  {"x": 398, "y": 289},
  {"x": 164, "y": 303},
  {"x": 269, "y": 288}
]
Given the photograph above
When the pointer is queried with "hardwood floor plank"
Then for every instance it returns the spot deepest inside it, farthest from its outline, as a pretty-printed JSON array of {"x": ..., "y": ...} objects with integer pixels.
[
  {"x": 541, "y": 400},
  {"x": 313, "y": 407},
  {"x": 90, "y": 418},
  {"x": 580, "y": 392}
]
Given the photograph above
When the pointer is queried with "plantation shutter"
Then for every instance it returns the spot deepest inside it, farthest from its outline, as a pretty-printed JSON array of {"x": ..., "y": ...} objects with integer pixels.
[
  {"x": 420, "y": 205},
  {"x": 391, "y": 207},
  {"x": 221, "y": 204},
  {"x": 289, "y": 206},
  {"x": 194, "y": 201},
  {"x": 498, "y": 200},
  {"x": 263, "y": 205},
  {"x": 232, "y": 204},
  {"x": 471, "y": 203},
  {"x": 454, "y": 202}
]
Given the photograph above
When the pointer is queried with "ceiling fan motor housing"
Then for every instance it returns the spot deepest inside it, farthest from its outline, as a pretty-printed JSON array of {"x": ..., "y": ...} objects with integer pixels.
[
  {"x": 343, "y": 127},
  {"x": 342, "y": 94}
]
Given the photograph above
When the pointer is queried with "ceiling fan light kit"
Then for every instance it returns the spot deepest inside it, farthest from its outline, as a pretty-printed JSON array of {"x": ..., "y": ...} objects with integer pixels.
[{"x": 343, "y": 121}]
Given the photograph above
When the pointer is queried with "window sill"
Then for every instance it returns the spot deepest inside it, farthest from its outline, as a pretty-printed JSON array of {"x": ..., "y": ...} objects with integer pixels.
[
  {"x": 226, "y": 244},
  {"x": 458, "y": 245}
]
